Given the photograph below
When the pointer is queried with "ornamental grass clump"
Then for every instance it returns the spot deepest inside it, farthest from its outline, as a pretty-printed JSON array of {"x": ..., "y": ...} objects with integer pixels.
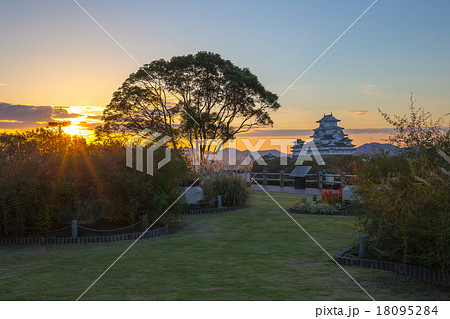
[{"x": 232, "y": 188}]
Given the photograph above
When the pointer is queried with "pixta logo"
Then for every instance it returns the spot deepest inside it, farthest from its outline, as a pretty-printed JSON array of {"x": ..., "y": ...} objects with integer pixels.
[
  {"x": 309, "y": 149},
  {"x": 140, "y": 146},
  {"x": 308, "y": 152}
]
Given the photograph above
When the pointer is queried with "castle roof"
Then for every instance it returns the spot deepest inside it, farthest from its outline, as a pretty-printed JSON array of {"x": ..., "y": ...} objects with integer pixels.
[
  {"x": 328, "y": 118},
  {"x": 321, "y": 128}
]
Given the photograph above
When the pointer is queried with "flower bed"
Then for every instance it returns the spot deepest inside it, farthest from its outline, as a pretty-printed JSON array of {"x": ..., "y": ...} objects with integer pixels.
[
  {"x": 320, "y": 208},
  {"x": 330, "y": 213},
  {"x": 331, "y": 204},
  {"x": 331, "y": 197}
]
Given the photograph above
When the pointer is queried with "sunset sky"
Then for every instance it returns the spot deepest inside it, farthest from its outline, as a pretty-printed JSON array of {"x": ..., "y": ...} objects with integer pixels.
[{"x": 56, "y": 63}]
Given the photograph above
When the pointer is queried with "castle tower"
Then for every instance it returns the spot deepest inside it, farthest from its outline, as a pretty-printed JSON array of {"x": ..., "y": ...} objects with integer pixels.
[{"x": 329, "y": 138}]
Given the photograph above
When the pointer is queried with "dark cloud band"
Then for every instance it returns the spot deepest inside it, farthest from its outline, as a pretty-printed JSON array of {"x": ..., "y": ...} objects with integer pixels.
[
  {"x": 24, "y": 117},
  {"x": 293, "y": 132}
]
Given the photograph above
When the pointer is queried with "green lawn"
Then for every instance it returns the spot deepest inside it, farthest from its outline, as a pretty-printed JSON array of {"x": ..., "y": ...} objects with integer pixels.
[{"x": 254, "y": 254}]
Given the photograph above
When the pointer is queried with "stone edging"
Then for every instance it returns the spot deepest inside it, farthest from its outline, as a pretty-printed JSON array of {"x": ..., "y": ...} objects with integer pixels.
[
  {"x": 211, "y": 210},
  {"x": 421, "y": 273},
  {"x": 157, "y": 232},
  {"x": 339, "y": 213}
]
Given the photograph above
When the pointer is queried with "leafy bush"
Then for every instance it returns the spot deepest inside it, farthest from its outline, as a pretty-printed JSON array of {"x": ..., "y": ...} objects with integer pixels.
[
  {"x": 405, "y": 197},
  {"x": 232, "y": 188},
  {"x": 336, "y": 164}
]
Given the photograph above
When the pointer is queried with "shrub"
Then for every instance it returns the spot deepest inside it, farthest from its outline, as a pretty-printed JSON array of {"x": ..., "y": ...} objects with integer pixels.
[
  {"x": 232, "y": 188},
  {"x": 405, "y": 197},
  {"x": 54, "y": 178},
  {"x": 406, "y": 218}
]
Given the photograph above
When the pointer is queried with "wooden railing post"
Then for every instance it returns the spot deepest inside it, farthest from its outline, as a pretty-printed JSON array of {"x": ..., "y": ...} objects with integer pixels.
[
  {"x": 342, "y": 179},
  {"x": 282, "y": 179},
  {"x": 264, "y": 178},
  {"x": 319, "y": 179}
]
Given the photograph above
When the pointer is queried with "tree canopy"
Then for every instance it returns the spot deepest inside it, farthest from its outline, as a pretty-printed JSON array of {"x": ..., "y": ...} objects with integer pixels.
[{"x": 190, "y": 97}]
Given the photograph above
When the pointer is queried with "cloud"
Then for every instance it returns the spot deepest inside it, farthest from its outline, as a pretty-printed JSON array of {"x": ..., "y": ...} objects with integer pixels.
[
  {"x": 10, "y": 121},
  {"x": 294, "y": 132},
  {"x": 61, "y": 113},
  {"x": 382, "y": 130},
  {"x": 366, "y": 89},
  {"x": 94, "y": 117},
  {"x": 282, "y": 132},
  {"x": 26, "y": 117},
  {"x": 8, "y": 85},
  {"x": 89, "y": 126},
  {"x": 358, "y": 112},
  {"x": 25, "y": 113}
]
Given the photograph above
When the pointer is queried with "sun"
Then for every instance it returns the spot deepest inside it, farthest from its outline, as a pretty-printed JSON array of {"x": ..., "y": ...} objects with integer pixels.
[
  {"x": 72, "y": 129},
  {"x": 83, "y": 124}
]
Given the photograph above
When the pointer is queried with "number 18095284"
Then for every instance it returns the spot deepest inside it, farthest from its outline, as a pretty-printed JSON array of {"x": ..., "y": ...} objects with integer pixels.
[{"x": 406, "y": 310}]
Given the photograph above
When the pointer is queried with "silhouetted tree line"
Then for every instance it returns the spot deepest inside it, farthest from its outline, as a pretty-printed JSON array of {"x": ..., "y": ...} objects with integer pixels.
[{"x": 48, "y": 178}]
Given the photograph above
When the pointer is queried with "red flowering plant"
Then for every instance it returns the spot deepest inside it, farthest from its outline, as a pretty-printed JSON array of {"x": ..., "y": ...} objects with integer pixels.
[{"x": 331, "y": 197}]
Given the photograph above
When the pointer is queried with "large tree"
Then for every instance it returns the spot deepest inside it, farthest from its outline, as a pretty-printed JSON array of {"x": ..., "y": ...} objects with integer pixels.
[{"x": 191, "y": 97}]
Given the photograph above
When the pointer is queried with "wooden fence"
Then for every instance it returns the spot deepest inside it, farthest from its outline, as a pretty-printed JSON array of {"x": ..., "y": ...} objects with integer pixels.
[{"x": 319, "y": 179}]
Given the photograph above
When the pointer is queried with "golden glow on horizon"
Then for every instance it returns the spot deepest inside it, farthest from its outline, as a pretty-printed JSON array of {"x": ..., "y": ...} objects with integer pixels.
[
  {"x": 86, "y": 118},
  {"x": 72, "y": 130},
  {"x": 10, "y": 121}
]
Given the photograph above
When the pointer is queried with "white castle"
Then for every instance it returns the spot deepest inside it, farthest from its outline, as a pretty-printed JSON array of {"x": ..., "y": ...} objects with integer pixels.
[{"x": 328, "y": 137}]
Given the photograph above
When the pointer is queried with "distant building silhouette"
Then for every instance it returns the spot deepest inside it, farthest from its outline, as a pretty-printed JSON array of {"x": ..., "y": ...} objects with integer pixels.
[
  {"x": 298, "y": 144},
  {"x": 329, "y": 138}
]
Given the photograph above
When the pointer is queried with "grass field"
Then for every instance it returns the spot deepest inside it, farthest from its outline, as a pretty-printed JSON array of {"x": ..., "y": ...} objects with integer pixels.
[{"x": 254, "y": 254}]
